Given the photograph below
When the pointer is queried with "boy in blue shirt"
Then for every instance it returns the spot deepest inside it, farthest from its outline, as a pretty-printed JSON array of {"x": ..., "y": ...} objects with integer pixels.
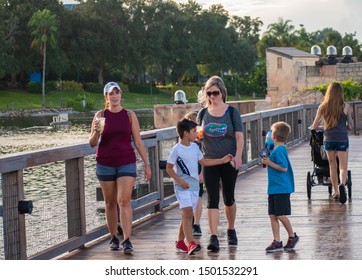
[{"x": 280, "y": 186}]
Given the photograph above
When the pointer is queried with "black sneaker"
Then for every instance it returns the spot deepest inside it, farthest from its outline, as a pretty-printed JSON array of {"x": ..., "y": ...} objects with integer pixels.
[
  {"x": 342, "y": 194},
  {"x": 196, "y": 230},
  {"x": 275, "y": 246},
  {"x": 292, "y": 241},
  {"x": 214, "y": 244},
  {"x": 232, "y": 239},
  {"x": 127, "y": 246},
  {"x": 114, "y": 243}
]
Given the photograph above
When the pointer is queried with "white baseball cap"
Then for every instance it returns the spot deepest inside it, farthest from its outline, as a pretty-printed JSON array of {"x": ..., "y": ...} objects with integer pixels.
[{"x": 110, "y": 86}]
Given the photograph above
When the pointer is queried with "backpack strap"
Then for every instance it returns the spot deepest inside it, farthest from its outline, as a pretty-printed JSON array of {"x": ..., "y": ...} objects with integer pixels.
[
  {"x": 201, "y": 115},
  {"x": 231, "y": 112}
]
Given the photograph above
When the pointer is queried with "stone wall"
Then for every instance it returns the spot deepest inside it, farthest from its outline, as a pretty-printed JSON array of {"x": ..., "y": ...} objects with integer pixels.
[
  {"x": 168, "y": 115},
  {"x": 345, "y": 71}
]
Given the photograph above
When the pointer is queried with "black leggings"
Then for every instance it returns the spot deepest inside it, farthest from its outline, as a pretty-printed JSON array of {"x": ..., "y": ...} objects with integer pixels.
[{"x": 212, "y": 176}]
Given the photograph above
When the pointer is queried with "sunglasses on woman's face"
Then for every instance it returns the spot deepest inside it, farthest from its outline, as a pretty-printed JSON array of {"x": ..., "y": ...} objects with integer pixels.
[{"x": 214, "y": 93}]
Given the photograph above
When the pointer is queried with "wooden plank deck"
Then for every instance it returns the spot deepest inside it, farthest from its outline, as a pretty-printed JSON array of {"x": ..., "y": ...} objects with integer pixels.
[{"x": 327, "y": 229}]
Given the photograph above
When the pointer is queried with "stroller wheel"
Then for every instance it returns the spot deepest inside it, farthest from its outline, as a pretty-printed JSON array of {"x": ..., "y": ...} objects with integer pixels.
[
  {"x": 309, "y": 185},
  {"x": 349, "y": 183}
]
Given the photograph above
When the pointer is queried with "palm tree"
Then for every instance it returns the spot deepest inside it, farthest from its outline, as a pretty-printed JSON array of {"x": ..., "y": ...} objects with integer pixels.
[
  {"x": 282, "y": 31},
  {"x": 43, "y": 27}
]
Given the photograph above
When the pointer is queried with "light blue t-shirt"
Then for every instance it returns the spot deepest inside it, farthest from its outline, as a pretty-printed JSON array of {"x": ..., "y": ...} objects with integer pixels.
[{"x": 280, "y": 182}]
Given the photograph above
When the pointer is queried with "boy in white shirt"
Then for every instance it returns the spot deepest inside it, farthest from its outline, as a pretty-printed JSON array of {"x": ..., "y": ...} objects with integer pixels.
[{"x": 182, "y": 166}]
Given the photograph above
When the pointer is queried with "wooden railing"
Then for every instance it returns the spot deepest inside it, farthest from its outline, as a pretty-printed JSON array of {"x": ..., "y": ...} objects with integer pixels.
[{"x": 157, "y": 195}]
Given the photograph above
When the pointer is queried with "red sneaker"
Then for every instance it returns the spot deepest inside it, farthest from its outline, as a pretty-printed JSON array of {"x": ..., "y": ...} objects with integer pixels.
[
  {"x": 193, "y": 247},
  {"x": 181, "y": 246}
]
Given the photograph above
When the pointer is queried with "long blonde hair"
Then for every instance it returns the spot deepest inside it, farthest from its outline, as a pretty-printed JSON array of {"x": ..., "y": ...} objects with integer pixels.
[{"x": 332, "y": 105}]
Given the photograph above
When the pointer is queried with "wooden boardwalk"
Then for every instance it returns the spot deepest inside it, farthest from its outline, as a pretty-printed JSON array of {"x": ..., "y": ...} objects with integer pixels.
[{"x": 327, "y": 229}]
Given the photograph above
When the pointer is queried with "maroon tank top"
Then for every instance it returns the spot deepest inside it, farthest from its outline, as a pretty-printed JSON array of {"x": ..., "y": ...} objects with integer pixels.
[{"x": 115, "y": 147}]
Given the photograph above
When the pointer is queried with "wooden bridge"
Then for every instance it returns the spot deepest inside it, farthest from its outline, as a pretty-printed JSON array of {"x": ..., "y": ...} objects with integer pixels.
[{"x": 328, "y": 230}]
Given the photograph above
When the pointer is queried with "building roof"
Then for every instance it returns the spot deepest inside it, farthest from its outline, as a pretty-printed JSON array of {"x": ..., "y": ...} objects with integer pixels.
[{"x": 290, "y": 52}]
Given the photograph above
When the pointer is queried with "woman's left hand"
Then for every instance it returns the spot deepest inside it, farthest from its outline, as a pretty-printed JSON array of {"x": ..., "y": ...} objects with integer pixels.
[
  {"x": 147, "y": 172},
  {"x": 237, "y": 163}
]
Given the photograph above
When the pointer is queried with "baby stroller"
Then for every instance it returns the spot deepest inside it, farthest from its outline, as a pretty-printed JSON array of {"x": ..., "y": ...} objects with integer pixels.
[{"x": 320, "y": 174}]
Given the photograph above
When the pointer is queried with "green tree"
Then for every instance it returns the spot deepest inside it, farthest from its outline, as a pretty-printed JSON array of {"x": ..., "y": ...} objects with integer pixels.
[
  {"x": 21, "y": 59},
  {"x": 5, "y": 38},
  {"x": 103, "y": 40},
  {"x": 43, "y": 27},
  {"x": 247, "y": 27},
  {"x": 281, "y": 29}
]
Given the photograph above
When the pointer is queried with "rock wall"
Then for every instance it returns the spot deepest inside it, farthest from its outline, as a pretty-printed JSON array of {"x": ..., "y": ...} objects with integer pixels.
[{"x": 169, "y": 115}]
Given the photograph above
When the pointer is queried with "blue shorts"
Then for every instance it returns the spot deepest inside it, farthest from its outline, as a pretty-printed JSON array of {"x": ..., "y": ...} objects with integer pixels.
[
  {"x": 111, "y": 173},
  {"x": 336, "y": 146},
  {"x": 279, "y": 204}
]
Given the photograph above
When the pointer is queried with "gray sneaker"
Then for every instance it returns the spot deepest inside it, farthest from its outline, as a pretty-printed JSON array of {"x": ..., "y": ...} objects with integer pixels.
[
  {"x": 196, "y": 230},
  {"x": 275, "y": 246},
  {"x": 232, "y": 239},
  {"x": 127, "y": 246},
  {"x": 342, "y": 194},
  {"x": 292, "y": 241},
  {"x": 214, "y": 244},
  {"x": 114, "y": 243}
]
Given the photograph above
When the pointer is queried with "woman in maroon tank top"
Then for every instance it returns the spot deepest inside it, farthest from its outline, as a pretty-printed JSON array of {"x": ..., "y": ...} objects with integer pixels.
[{"x": 112, "y": 130}]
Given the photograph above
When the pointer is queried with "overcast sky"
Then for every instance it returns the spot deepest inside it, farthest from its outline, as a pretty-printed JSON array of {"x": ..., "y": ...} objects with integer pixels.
[{"x": 345, "y": 16}]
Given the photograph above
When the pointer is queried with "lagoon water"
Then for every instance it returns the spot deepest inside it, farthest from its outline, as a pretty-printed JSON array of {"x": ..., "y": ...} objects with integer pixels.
[{"x": 19, "y": 134}]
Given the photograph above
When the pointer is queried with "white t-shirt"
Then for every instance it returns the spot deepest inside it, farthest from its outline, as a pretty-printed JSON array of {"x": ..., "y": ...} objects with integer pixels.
[{"x": 185, "y": 160}]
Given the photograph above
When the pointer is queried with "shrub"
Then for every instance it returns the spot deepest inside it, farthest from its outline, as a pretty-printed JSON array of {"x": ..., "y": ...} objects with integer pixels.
[
  {"x": 71, "y": 86},
  {"x": 51, "y": 86},
  {"x": 352, "y": 90},
  {"x": 93, "y": 87},
  {"x": 142, "y": 88},
  {"x": 77, "y": 103},
  {"x": 33, "y": 87}
]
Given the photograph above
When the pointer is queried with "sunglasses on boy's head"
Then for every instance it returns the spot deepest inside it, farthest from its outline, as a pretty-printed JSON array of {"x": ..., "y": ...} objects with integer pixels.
[{"x": 214, "y": 93}]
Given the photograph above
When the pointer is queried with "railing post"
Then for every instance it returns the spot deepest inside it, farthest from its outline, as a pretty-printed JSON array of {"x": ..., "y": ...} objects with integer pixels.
[
  {"x": 254, "y": 134},
  {"x": 14, "y": 223},
  {"x": 74, "y": 173},
  {"x": 155, "y": 180},
  {"x": 160, "y": 184}
]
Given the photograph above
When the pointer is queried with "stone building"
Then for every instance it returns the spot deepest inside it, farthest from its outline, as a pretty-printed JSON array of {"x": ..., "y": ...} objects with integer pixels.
[{"x": 290, "y": 71}]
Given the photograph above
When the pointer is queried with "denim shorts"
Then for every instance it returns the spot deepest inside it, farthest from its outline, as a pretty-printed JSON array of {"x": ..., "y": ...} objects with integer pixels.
[
  {"x": 336, "y": 146},
  {"x": 111, "y": 173}
]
